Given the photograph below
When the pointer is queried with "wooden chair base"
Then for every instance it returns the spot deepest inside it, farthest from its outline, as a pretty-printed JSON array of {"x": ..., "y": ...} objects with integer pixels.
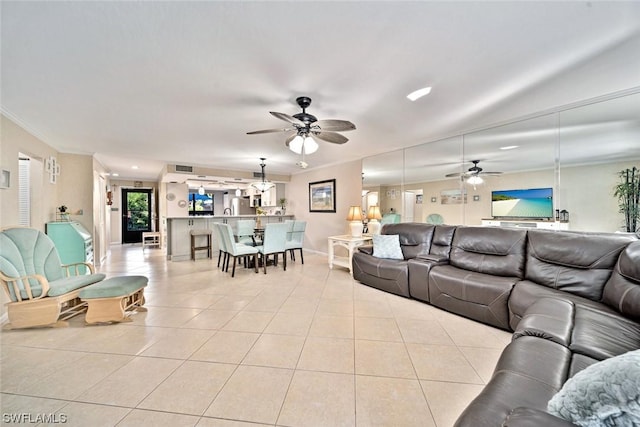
[
  {"x": 48, "y": 311},
  {"x": 114, "y": 309}
]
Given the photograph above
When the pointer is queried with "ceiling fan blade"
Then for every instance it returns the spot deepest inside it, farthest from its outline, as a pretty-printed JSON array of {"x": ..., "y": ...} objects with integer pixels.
[
  {"x": 287, "y": 118},
  {"x": 453, "y": 175},
  {"x": 332, "y": 137},
  {"x": 335, "y": 125},
  {"x": 490, "y": 173},
  {"x": 255, "y": 132}
]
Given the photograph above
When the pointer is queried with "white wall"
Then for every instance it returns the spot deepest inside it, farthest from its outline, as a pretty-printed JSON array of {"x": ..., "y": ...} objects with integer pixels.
[{"x": 321, "y": 225}]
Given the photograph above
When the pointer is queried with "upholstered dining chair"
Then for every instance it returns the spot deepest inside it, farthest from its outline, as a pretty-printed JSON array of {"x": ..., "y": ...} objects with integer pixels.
[
  {"x": 244, "y": 231},
  {"x": 274, "y": 243},
  {"x": 236, "y": 250},
  {"x": 297, "y": 239},
  {"x": 222, "y": 247}
]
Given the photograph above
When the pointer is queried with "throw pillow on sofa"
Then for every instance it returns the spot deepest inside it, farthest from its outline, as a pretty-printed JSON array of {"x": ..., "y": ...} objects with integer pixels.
[
  {"x": 387, "y": 246},
  {"x": 606, "y": 393}
]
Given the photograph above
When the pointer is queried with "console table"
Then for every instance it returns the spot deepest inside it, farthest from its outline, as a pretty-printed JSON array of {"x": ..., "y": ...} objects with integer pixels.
[{"x": 350, "y": 244}]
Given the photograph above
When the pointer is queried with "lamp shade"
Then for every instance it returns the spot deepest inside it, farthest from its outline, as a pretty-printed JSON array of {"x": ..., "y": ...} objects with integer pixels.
[
  {"x": 355, "y": 213},
  {"x": 374, "y": 213},
  {"x": 475, "y": 180}
]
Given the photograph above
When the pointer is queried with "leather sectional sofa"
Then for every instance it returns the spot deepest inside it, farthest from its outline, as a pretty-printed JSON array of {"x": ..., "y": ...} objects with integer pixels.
[{"x": 572, "y": 299}]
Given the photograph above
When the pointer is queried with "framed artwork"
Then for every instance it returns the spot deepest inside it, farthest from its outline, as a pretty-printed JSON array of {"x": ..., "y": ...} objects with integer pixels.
[
  {"x": 322, "y": 196},
  {"x": 453, "y": 197},
  {"x": 418, "y": 199}
]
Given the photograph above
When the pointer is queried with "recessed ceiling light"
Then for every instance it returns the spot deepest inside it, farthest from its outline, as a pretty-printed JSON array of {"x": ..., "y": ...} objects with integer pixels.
[
  {"x": 115, "y": 174},
  {"x": 134, "y": 167},
  {"x": 509, "y": 147},
  {"x": 417, "y": 94}
]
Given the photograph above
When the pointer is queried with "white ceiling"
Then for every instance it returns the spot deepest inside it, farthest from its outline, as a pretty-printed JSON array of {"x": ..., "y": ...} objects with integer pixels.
[{"x": 149, "y": 83}]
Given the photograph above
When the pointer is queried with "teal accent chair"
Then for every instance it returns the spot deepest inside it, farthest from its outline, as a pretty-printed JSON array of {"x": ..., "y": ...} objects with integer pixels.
[
  {"x": 435, "y": 219},
  {"x": 274, "y": 243},
  {"x": 390, "y": 218},
  {"x": 236, "y": 250},
  {"x": 42, "y": 291},
  {"x": 296, "y": 240},
  {"x": 244, "y": 231}
]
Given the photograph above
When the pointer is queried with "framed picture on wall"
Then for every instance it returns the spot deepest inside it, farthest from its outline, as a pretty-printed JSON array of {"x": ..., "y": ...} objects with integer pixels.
[{"x": 322, "y": 196}]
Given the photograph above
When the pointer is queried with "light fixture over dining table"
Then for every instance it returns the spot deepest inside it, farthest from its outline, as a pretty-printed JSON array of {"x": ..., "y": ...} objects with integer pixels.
[{"x": 262, "y": 185}]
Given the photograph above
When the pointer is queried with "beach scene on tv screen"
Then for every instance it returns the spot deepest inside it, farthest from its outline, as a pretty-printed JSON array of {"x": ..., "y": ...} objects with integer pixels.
[{"x": 531, "y": 203}]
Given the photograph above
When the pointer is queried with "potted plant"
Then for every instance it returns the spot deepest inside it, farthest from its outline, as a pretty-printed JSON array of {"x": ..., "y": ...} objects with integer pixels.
[
  {"x": 283, "y": 204},
  {"x": 628, "y": 193}
]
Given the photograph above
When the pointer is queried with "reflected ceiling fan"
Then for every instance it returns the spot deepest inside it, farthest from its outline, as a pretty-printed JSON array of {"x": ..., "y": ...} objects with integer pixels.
[
  {"x": 473, "y": 175},
  {"x": 305, "y": 127}
]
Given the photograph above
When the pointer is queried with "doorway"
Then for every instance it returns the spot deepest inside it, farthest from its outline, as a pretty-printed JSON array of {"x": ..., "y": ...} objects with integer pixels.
[{"x": 136, "y": 215}]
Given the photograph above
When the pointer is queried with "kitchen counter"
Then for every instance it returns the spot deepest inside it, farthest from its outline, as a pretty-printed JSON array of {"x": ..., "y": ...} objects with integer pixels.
[{"x": 178, "y": 228}]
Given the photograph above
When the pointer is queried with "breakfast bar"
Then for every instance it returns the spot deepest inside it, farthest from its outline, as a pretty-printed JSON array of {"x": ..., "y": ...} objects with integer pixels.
[{"x": 179, "y": 229}]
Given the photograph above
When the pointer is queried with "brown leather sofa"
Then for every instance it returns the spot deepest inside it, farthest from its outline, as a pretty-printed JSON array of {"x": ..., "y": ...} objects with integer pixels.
[{"x": 572, "y": 299}]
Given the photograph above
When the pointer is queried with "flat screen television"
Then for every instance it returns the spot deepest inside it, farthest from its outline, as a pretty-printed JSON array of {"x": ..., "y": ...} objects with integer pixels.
[{"x": 531, "y": 203}]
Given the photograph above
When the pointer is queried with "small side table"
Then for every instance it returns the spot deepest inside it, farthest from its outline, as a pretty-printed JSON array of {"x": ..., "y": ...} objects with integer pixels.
[{"x": 350, "y": 244}]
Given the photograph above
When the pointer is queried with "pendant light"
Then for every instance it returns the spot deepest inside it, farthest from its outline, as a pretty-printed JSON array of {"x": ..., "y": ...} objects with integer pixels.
[
  {"x": 262, "y": 185},
  {"x": 201, "y": 190}
]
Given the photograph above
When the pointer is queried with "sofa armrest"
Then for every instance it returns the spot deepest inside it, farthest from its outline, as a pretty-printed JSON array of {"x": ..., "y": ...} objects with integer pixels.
[
  {"x": 436, "y": 259},
  {"x": 548, "y": 318},
  {"x": 19, "y": 288},
  {"x": 528, "y": 417},
  {"x": 366, "y": 249}
]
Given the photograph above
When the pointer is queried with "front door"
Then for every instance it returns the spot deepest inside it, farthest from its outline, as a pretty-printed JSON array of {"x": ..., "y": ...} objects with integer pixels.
[{"x": 136, "y": 215}]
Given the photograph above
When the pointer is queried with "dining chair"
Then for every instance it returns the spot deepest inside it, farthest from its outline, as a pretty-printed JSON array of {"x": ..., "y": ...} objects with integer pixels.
[
  {"x": 222, "y": 247},
  {"x": 237, "y": 250},
  {"x": 297, "y": 239},
  {"x": 244, "y": 231},
  {"x": 274, "y": 243}
]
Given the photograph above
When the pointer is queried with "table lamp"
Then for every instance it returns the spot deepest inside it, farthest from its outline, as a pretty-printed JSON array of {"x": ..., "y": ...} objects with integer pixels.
[
  {"x": 373, "y": 214},
  {"x": 355, "y": 218}
]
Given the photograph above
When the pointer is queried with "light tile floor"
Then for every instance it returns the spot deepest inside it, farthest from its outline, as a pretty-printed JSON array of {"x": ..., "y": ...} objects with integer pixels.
[{"x": 305, "y": 347}]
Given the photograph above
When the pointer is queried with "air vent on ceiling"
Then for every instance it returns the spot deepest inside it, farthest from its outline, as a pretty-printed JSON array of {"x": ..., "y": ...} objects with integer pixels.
[{"x": 183, "y": 168}]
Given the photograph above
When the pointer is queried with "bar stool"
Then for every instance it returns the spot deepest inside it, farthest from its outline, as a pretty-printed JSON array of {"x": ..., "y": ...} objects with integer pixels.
[{"x": 194, "y": 235}]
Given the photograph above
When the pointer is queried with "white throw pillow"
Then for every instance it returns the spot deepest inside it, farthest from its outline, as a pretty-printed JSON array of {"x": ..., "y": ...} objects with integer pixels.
[
  {"x": 387, "y": 246},
  {"x": 606, "y": 393}
]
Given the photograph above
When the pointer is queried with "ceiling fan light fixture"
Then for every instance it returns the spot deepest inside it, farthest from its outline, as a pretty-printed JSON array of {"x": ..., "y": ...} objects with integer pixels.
[
  {"x": 301, "y": 142},
  {"x": 417, "y": 94},
  {"x": 475, "y": 180},
  {"x": 201, "y": 190}
]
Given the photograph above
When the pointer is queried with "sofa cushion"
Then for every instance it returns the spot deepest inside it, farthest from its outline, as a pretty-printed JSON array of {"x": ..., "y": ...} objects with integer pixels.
[
  {"x": 442, "y": 238},
  {"x": 480, "y": 296},
  {"x": 489, "y": 250},
  {"x": 573, "y": 262},
  {"x": 604, "y": 394},
  {"x": 529, "y": 373},
  {"x": 386, "y": 274},
  {"x": 415, "y": 238},
  {"x": 387, "y": 246},
  {"x": 622, "y": 291},
  {"x": 525, "y": 293}
]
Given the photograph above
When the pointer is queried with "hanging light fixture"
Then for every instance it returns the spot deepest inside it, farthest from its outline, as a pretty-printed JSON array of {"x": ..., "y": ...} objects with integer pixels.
[
  {"x": 201, "y": 190},
  {"x": 475, "y": 180},
  {"x": 262, "y": 185},
  {"x": 303, "y": 142}
]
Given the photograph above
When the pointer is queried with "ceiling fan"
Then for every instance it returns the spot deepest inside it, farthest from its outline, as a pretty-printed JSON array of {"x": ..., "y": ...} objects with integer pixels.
[
  {"x": 473, "y": 174},
  {"x": 306, "y": 127},
  {"x": 474, "y": 170}
]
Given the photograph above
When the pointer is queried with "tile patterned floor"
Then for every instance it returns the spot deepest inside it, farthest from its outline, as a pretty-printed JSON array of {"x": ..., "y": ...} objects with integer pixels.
[{"x": 305, "y": 347}]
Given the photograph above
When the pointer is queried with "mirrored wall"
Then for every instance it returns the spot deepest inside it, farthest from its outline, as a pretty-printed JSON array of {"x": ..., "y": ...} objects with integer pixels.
[{"x": 570, "y": 157}]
